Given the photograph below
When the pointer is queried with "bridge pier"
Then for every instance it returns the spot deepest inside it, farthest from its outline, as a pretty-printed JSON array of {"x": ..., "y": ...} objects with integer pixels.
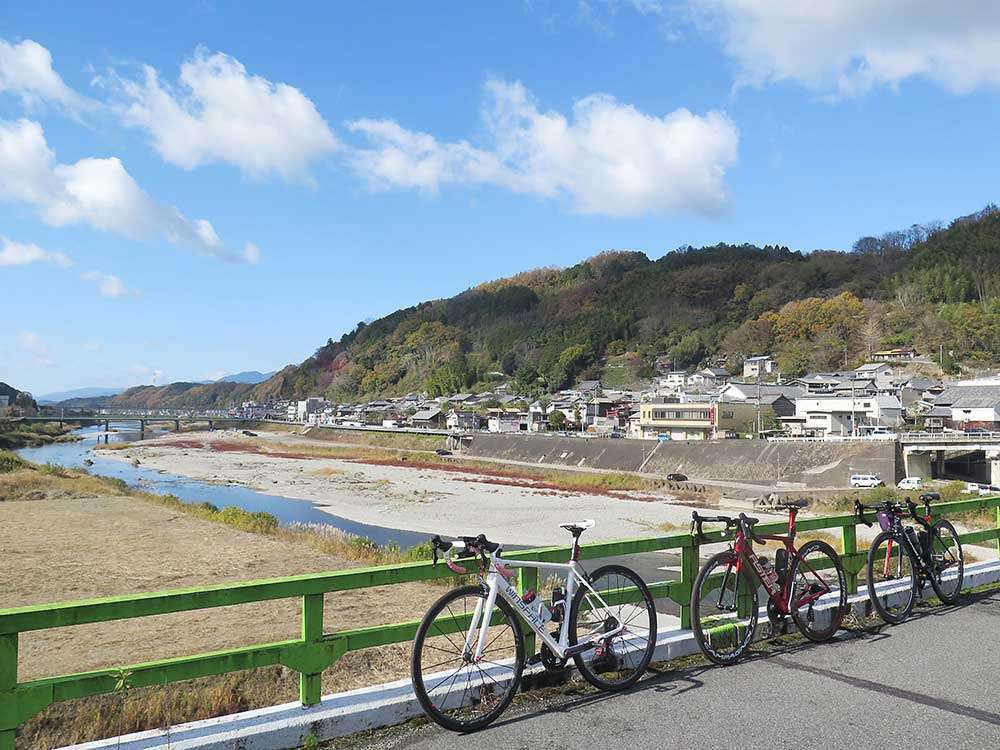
[
  {"x": 177, "y": 425},
  {"x": 142, "y": 429},
  {"x": 993, "y": 457},
  {"x": 919, "y": 464}
]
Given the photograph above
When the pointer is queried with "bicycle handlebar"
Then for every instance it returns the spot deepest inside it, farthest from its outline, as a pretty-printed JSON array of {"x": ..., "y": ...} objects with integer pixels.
[
  {"x": 743, "y": 520},
  {"x": 473, "y": 545}
]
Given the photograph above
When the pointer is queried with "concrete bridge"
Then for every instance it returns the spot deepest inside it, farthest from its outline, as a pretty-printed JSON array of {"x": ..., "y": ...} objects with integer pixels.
[
  {"x": 142, "y": 421},
  {"x": 972, "y": 456}
]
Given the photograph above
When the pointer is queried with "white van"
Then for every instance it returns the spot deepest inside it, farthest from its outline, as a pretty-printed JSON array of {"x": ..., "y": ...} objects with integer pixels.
[
  {"x": 910, "y": 483},
  {"x": 866, "y": 480}
]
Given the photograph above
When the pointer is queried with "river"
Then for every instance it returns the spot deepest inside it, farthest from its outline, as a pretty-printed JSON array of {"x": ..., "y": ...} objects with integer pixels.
[{"x": 286, "y": 510}]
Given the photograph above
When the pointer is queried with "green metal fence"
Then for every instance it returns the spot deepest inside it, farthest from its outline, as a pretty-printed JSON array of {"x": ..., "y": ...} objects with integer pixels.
[{"x": 316, "y": 650}]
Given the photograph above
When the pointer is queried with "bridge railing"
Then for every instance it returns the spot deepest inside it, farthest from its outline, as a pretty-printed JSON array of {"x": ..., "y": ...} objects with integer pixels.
[{"x": 316, "y": 649}]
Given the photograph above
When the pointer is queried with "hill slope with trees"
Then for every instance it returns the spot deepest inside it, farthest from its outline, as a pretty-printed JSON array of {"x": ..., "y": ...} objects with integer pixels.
[{"x": 928, "y": 286}]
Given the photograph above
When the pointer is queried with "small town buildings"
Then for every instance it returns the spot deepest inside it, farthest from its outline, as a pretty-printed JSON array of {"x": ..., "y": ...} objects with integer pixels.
[
  {"x": 503, "y": 421},
  {"x": 707, "y": 378},
  {"x": 694, "y": 421},
  {"x": 970, "y": 406},
  {"x": 428, "y": 419},
  {"x": 824, "y": 415},
  {"x": 463, "y": 421},
  {"x": 899, "y": 353},
  {"x": 302, "y": 411},
  {"x": 759, "y": 366},
  {"x": 670, "y": 381}
]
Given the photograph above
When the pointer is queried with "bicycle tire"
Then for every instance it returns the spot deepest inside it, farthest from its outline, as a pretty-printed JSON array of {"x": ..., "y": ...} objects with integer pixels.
[
  {"x": 876, "y": 600},
  {"x": 637, "y": 667},
  {"x": 416, "y": 671},
  {"x": 837, "y": 616},
  {"x": 946, "y": 595},
  {"x": 719, "y": 560}
]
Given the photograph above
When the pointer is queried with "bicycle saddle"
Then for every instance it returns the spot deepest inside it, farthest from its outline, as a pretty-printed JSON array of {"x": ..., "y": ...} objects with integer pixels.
[
  {"x": 792, "y": 504},
  {"x": 578, "y": 527}
]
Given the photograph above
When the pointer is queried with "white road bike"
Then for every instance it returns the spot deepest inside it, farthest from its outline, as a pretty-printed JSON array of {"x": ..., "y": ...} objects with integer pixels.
[{"x": 469, "y": 652}]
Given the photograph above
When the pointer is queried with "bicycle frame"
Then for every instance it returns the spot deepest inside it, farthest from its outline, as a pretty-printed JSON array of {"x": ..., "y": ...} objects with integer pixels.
[
  {"x": 497, "y": 583},
  {"x": 780, "y": 595}
]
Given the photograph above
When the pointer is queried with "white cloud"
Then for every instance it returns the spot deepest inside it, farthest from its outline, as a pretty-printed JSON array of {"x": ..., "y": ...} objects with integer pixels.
[
  {"x": 217, "y": 112},
  {"x": 609, "y": 158},
  {"x": 98, "y": 192},
  {"x": 107, "y": 284},
  {"x": 848, "y": 47},
  {"x": 24, "y": 253},
  {"x": 33, "y": 344},
  {"x": 26, "y": 71},
  {"x": 251, "y": 253}
]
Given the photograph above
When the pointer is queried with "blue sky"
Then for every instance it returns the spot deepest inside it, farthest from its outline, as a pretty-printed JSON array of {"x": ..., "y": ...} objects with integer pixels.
[{"x": 347, "y": 161}]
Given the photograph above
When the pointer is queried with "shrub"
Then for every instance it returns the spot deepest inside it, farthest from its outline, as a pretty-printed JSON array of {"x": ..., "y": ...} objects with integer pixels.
[{"x": 11, "y": 462}]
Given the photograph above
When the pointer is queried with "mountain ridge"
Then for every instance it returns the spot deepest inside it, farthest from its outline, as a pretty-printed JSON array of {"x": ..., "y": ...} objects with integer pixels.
[{"x": 931, "y": 286}]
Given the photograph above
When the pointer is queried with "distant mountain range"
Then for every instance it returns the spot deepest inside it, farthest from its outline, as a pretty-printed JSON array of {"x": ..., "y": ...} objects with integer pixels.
[
  {"x": 249, "y": 377},
  {"x": 92, "y": 392}
]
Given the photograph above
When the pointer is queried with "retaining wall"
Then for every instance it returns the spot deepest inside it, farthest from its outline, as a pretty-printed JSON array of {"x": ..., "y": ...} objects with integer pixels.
[{"x": 806, "y": 465}]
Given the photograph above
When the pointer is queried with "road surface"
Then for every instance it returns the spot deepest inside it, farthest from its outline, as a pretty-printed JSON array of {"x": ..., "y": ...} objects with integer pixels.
[{"x": 931, "y": 682}]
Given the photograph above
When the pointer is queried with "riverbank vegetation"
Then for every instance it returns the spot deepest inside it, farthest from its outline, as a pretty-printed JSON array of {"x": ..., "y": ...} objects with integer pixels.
[{"x": 16, "y": 434}]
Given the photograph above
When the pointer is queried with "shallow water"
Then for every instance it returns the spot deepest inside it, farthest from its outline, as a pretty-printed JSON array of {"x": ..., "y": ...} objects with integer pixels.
[{"x": 286, "y": 510}]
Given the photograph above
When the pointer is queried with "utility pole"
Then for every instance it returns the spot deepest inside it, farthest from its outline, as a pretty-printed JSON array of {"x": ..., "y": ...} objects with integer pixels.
[{"x": 758, "y": 405}]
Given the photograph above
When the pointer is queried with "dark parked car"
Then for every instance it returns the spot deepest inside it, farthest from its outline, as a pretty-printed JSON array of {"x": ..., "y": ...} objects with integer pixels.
[
  {"x": 677, "y": 477},
  {"x": 443, "y": 452}
]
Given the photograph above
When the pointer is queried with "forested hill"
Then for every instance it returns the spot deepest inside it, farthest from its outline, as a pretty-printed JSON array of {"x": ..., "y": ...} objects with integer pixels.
[{"x": 612, "y": 315}]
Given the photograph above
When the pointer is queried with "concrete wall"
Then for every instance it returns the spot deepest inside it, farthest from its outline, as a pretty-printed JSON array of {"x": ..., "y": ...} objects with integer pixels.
[{"x": 809, "y": 465}]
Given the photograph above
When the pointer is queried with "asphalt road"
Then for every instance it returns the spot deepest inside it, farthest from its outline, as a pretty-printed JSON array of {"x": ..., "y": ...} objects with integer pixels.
[{"x": 931, "y": 682}]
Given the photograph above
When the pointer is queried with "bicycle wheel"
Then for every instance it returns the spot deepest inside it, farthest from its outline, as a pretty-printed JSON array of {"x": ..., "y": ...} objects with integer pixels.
[
  {"x": 723, "y": 609},
  {"x": 947, "y": 563},
  {"x": 892, "y": 578},
  {"x": 454, "y": 690},
  {"x": 818, "y": 600},
  {"x": 619, "y": 661}
]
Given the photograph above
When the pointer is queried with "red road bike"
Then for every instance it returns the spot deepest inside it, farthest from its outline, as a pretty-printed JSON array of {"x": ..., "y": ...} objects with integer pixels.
[{"x": 807, "y": 584}]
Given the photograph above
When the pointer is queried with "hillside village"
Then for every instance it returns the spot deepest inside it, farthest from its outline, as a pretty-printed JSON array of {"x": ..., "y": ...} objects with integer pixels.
[{"x": 873, "y": 400}]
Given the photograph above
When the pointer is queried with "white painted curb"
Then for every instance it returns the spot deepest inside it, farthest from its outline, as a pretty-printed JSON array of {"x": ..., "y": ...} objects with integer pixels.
[{"x": 287, "y": 726}]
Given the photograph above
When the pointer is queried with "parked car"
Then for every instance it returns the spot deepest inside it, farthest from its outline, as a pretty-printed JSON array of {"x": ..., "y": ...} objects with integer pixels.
[
  {"x": 677, "y": 477},
  {"x": 910, "y": 483},
  {"x": 443, "y": 452},
  {"x": 866, "y": 480},
  {"x": 972, "y": 487},
  {"x": 662, "y": 437}
]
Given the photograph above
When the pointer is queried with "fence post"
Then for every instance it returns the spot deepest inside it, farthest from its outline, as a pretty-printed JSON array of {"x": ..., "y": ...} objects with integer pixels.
[
  {"x": 8, "y": 681},
  {"x": 689, "y": 571},
  {"x": 849, "y": 537},
  {"x": 998, "y": 526},
  {"x": 527, "y": 579},
  {"x": 310, "y": 685}
]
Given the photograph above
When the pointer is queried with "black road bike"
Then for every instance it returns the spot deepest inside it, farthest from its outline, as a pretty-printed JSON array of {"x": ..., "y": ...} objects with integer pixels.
[{"x": 903, "y": 559}]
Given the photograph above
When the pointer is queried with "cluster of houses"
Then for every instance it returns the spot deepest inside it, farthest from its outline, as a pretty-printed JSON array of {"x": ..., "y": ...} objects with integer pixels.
[{"x": 873, "y": 400}]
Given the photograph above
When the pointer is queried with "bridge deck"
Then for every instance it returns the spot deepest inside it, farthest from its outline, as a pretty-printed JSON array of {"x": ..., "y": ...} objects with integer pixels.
[{"x": 930, "y": 681}]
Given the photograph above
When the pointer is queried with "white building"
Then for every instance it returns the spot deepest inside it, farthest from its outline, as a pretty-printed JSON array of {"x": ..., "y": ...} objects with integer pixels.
[
  {"x": 303, "y": 409},
  {"x": 707, "y": 378},
  {"x": 759, "y": 366},
  {"x": 501, "y": 421},
  {"x": 837, "y": 415}
]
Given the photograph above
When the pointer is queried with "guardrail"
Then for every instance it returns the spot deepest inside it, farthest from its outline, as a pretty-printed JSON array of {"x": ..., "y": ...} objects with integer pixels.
[
  {"x": 316, "y": 650},
  {"x": 948, "y": 437}
]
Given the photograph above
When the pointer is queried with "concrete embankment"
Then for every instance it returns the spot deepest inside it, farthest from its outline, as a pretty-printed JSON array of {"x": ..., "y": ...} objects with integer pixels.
[{"x": 805, "y": 465}]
